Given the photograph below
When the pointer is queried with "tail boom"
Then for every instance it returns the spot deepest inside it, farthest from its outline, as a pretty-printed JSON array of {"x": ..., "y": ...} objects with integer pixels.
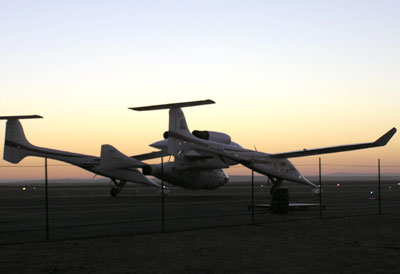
[{"x": 17, "y": 147}]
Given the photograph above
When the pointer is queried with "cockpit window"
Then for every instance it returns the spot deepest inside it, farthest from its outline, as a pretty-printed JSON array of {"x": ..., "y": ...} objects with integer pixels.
[{"x": 236, "y": 145}]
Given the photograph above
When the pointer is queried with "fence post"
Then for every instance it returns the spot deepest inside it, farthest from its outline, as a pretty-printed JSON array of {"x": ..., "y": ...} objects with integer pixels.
[
  {"x": 252, "y": 197},
  {"x": 379, "y": 186},
  {"x": 47, "y": 198},
  {"x": 162, "y": 194},
  {"x": 320, "y": 190}
]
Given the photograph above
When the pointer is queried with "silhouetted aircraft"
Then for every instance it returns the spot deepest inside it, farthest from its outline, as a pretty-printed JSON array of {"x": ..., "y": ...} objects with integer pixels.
[{"x": 199, "y": 157}]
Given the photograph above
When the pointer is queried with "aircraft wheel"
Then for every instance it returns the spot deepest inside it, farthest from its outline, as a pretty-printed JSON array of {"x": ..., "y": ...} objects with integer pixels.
[
  {"x": 166, "y": 191},
  {"x": 114, "y": 192}
]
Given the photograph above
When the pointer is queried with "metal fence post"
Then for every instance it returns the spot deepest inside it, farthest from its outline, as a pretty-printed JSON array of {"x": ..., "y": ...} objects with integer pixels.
[
  {"x": 252, "y": 197},
  {"x": 320, "y": 190},
  {"x": 379, "y": 186},
  {"x": 47, "y": 198},
  {"x": 162, "y": 194}
]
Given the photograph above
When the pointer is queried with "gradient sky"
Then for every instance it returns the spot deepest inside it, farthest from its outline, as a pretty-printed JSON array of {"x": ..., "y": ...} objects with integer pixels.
[{"x": 285, "y": 75}]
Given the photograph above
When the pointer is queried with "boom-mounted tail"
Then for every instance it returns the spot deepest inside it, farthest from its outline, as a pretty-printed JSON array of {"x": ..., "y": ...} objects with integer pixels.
[
  {"x": 177, "y": 122},
  {"x": 16, "y": 146}
]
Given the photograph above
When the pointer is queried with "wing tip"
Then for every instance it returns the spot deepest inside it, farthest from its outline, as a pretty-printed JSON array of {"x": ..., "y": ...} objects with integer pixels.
[{"x": 382, "y": 141}]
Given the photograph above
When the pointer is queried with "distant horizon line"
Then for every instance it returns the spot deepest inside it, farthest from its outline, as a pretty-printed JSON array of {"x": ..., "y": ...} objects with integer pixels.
[{"x": 335, "y": 174}]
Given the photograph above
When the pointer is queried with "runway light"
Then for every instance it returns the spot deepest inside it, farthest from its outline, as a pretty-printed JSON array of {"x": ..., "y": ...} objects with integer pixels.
[{"x": 371, "y": 193}]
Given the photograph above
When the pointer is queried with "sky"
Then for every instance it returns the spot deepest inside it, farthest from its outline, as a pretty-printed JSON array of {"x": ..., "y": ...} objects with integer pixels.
[{"x": 285, "y": 75}]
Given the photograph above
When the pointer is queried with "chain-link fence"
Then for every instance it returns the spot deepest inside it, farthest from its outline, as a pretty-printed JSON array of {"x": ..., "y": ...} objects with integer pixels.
[{"x": 84, "y": 208}]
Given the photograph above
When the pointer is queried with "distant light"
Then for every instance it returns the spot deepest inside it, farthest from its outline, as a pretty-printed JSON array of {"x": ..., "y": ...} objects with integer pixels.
[
  {"x": 398, "y": 184},
  {"x": 261, "y": 185},
  {"x": 34, "y": 187},
  {"x": 371, "y": 192},
  {"x": 338, "y": 185},
  {"x": 390, "y": 187},
  {"x": 23, "y": 188}
]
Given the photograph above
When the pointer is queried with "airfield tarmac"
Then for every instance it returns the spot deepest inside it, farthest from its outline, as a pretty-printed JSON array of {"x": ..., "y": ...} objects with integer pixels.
[
  {"x": 86, "y": 210},
  {"x": 362, "y": 244},
  {"x": 205, "y": 231}
]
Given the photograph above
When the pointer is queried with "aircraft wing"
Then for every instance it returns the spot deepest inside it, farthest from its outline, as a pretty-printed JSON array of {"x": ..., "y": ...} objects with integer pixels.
[
  {"x": 197, "y": 155},
  {"x": 382, "y": 141}
]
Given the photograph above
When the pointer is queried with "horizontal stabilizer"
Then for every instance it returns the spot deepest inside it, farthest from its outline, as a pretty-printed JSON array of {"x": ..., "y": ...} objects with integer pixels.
[
  {"x": 111, "y": 158},
  {"x": 382, "y": 141},
  {"x": 20, "y": 117},
  {"x": 175, "y": 105}
]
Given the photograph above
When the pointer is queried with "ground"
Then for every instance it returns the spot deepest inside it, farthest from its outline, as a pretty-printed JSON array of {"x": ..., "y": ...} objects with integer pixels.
[{"x": 362, "y": 244}]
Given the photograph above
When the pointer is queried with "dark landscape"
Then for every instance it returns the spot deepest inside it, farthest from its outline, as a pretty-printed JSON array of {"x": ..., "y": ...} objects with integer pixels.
[{"x": 204, "y": 231}]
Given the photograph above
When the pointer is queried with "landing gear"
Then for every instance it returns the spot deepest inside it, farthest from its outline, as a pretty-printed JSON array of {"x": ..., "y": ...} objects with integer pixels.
[
  {"x": 119, "y": 185},
  {"x": 275, "y": 184},
  {"x": 114, "y": 192},
  {"x": 279, "y": 197},
  {"x": 166, "y": 191}
]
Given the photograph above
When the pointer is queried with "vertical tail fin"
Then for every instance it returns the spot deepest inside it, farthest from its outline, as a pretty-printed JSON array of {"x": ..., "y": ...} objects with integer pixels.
[
  {"x": 177, "y": 127},
  {"x": 177, "y": 122},
  {"x": 16, "y": 146}
]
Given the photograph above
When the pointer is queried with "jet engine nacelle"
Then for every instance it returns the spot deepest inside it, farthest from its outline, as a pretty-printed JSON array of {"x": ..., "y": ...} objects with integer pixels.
[
  {"x": 188, "y": 178},
  {"x": 218, "y": 137}
]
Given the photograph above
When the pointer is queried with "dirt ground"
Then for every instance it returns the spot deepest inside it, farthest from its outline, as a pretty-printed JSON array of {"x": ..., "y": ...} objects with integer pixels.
[{"x": 365, "y": 244}]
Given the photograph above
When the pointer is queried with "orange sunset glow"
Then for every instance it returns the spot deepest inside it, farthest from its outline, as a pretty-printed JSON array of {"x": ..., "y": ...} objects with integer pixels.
[{"x": 284, "y": 76}]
